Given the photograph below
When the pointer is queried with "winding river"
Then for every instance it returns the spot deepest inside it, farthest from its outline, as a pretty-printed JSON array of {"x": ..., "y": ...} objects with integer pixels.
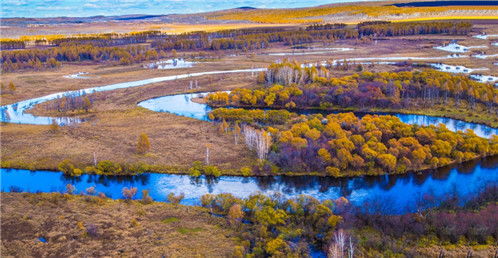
[{"x": 385, "y": 194}]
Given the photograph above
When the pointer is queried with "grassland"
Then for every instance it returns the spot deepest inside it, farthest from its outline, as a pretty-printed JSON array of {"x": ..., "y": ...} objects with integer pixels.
[
  {"x": 356, "y": 13},
  {"x": 114, "y": 126},
  {"x": 93, "y": 226}
]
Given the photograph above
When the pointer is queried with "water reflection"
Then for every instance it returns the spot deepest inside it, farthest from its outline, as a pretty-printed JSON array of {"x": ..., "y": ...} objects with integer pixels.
[{"x": 391, "y": 194}]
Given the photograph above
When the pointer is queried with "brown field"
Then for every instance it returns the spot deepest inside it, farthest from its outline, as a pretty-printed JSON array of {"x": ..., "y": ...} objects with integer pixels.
[
  {"x": 95, "y": 227},
  {"x": 113, "y": 129}
]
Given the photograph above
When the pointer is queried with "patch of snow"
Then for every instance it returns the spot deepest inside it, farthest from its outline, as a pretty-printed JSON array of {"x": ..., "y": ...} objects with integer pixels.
[
  {"x": 456, "y": 48},
  {"x": 485, "y": 56},
  {"x": 456, "y": 68},
  {"x": 170, "y": 64},
  {"x": 78, "y": 75},
  {"x": 466, "y": 70},
  {"x": 484, "y": 78},
  {"x": 486, "y": 36}
]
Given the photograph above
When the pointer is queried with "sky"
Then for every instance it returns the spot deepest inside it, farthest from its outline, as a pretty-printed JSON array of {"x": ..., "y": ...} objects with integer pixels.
[{"x": 83, "y": 8}]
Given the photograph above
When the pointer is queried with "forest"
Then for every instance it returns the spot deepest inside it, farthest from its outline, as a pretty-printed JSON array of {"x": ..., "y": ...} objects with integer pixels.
[
  {"x": 346, "y": 145},
  {"x": 290, "y": 85},
  {"x": 128, "y": 48},
  {"x": 276, "y": 226}
]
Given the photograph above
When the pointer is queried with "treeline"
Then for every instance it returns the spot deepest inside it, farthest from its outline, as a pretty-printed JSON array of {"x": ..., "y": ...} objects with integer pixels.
[
  {"x": 327, "y": 26},
  {"x": 101, "y": 42},
  {"x": 11, "y": 44},
  {"x": 413, "y": 28},
  {"x": 108, "y": 39},
  {"x": 251, "y": 115},
  {"x": 315, "y": 87},
  {"x": 203, "y": 41},
  {"x": 345, "y": 145},
  {"x": 51, "y": 58}
]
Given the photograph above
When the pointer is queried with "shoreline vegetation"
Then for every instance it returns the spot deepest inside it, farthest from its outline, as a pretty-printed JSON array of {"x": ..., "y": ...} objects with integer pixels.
[{"x": 197, "y": 169}]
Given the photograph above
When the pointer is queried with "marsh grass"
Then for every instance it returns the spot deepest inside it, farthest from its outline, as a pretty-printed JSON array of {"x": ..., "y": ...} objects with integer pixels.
[{"x": 73, "y": 226}]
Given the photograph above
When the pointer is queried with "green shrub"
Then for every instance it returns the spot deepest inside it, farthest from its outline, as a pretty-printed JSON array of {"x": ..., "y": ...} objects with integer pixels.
[{"x": 107, "y": 167}]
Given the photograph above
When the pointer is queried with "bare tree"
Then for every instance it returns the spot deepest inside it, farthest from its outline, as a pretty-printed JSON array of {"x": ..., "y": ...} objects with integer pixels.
[
  {"x": 236, "y": 132},
  {"x": 338, "y": 248},
  {"x": 333, "y": 251},
  {"x": 257, "y": 140},
  {"x": 207, "y": 153},
  {"x": 340, "y": 240},
  {"x": 351, "y": 248}
]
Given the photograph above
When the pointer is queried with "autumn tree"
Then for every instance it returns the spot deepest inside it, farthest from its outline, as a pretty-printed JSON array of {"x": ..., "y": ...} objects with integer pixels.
[
  {"x": 143, "y": 144},
  {"x": 235, "y": 214},
  {"x": 129, "y": 193}
]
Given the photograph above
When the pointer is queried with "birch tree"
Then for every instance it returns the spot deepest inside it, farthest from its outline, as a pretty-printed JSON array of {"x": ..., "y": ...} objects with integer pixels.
[{"x": 257, "y": 140}]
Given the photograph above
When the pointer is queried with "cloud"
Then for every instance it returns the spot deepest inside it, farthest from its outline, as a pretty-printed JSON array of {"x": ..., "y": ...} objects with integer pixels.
[{"x": 90, "y": 5}]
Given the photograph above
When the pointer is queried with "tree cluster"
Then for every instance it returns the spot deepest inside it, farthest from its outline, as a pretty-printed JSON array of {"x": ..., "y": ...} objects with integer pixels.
[
  {"x": 276, "y": 226},
  {"x": 290, "y": 85},
  {"x": 345, "y": 145},
  {"x": 413, "y": 28},
  {"x": 52, "y": 57},
  {"x": 72, "y": 103},
  {"x": 6, "y": 44}
]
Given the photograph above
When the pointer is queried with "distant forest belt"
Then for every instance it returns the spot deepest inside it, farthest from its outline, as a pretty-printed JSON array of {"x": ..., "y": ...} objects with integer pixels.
[
  {"x": 447, "y": 18},
  {"x": 447, "y": 3},
  {"x": 315, "y": 14}
]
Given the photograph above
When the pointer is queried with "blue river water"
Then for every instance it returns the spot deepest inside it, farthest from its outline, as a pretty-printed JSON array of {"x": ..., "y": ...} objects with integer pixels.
[{"x": 394, "y": 194}]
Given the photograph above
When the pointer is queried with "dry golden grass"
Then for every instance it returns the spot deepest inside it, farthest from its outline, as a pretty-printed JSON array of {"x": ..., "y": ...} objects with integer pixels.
[
  {"x": 183, "y": 28},
  {"x": 52, "y": 32},
  {"x": 125, "y": 229},
  {"x": 372, "y": 11},
  {"x": 113, "y": 129}
]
